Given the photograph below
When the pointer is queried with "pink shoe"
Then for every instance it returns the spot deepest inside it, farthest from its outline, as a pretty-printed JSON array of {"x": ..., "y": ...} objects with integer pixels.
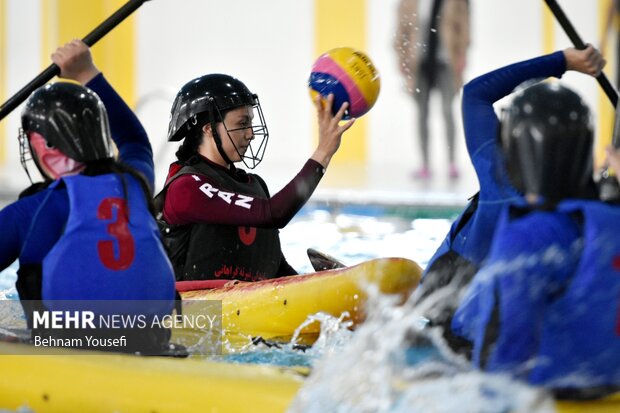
[
  {"x": 453, "y": 172},
  {"x": 423, "y": 173}
]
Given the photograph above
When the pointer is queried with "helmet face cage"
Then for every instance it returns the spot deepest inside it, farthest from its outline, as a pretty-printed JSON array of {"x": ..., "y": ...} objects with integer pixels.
[
  {"x": 260, "y": 135},
  {"x": 207, "y": 99},
  {"x": 25, "y": 154}
]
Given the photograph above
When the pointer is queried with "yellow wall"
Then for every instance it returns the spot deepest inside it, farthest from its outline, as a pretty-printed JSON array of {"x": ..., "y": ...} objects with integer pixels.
[
  {"x": 3, "y": 79},
  {"x": 605, "y": 109},
  {"x": 114, "y": 54},
  {"x": 344, "y": 23},
  {"x": 548, "y": 30}
]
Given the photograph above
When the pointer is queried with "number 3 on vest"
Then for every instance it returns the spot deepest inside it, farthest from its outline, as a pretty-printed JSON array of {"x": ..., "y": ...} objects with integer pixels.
[{"x": 119, "y": 230}]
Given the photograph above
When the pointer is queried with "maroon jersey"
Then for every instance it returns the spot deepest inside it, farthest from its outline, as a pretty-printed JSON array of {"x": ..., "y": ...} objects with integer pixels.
[{"x": 222, "y": 223}]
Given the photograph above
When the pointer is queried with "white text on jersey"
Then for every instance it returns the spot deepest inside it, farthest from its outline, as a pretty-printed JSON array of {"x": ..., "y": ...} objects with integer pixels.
[{"x": 243, "y": 201}]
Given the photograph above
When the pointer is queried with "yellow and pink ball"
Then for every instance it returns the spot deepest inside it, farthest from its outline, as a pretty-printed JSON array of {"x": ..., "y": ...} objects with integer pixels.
[{"x": 350, "y": 75}]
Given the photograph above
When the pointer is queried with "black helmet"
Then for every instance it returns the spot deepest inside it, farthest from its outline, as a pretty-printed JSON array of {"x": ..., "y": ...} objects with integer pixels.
[
  {"x": 206, "y": 100},
  {"x": 210, "y": 94},
  {"x": 71, "y": 118},
  {"x": 547, "y": 138}
]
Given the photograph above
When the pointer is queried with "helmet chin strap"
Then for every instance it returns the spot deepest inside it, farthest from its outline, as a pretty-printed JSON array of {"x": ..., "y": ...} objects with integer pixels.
[
  {"x": 216, "y": 136},
  {"x": 218, "y": 144}
]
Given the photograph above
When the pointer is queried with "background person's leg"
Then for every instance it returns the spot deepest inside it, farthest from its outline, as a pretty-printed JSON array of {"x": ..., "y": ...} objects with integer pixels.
[
  {"x": 422, "y": 97},
  {"x": 445, "y": 83}
]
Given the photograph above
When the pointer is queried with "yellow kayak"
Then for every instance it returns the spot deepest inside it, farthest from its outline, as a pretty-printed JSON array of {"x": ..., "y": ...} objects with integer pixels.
[
  {"x": 274, "y": 309},
  {"x": 62, "y": 380},
  {"x": 609, "y": 404}
]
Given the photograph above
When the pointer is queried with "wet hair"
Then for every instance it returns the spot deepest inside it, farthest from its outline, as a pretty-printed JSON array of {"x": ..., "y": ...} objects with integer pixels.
[
  {"x": 35, "y": 188},
  {"x": 102, "y": 167},
  {"x": 112, "y": 166},
  {"x": 189, "y": 147},
  {"x": 194, "y": 136}
]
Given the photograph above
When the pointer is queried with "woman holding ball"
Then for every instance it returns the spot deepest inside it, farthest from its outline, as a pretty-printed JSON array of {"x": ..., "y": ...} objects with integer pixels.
[{"x": 218, "y": 221}]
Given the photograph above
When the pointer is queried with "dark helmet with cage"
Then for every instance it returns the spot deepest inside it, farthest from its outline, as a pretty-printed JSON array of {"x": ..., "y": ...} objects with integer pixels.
[
  {"x": 547, "y": 138},
  {"x": 71, "y": 120},
  {"x": 207, "y": 99}
]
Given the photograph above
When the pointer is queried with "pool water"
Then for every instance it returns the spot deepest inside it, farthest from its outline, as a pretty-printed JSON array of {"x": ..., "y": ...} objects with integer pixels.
[
  {"x": 377, "y": 370},
  {"x": 374, "y": 368},
  {"x": 350, "y": 233},
  {"x": 355, "y": 233}
]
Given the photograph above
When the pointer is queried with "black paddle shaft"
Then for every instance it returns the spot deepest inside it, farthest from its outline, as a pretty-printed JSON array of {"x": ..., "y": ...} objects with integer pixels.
[
  {"x": 557, "y": 11},
  {"x": 52, "y": 70}
]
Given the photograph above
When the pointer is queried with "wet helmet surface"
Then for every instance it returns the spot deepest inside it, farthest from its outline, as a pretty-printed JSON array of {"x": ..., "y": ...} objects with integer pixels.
[
  {"x": 71, "y": 118},
  {"x": 547, "y": 138},
  {"x": 209, "y": 95}
]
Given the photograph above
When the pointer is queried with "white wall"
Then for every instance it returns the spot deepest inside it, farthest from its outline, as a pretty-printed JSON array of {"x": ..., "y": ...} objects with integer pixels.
[
  {"x": 269, "y": 45},
  {"x": 266, "y": 44},
  {"x": 23, "y": 34}
]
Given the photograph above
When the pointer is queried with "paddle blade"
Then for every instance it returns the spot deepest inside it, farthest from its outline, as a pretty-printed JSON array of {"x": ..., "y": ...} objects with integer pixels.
[{"x": 321, "y": 261}]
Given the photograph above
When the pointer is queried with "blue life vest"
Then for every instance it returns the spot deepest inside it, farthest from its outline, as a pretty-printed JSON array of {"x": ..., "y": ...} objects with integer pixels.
[
  {"x": 581, "y": 337},
  {"x": 110, "y": 248},
  {"x": 568, "y": 335}
]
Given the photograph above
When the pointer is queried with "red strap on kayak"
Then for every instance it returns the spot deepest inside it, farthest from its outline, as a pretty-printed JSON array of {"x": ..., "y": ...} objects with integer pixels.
[{"x": 183, "y": 286}]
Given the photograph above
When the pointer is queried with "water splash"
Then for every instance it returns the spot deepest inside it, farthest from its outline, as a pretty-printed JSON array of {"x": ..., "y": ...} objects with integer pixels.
[
  {"x": 7, "y": 283},
  {"x": 335, "y": 332},
  {"x": 394, "y": 364},
  {"x": 472, "y": 392}
]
